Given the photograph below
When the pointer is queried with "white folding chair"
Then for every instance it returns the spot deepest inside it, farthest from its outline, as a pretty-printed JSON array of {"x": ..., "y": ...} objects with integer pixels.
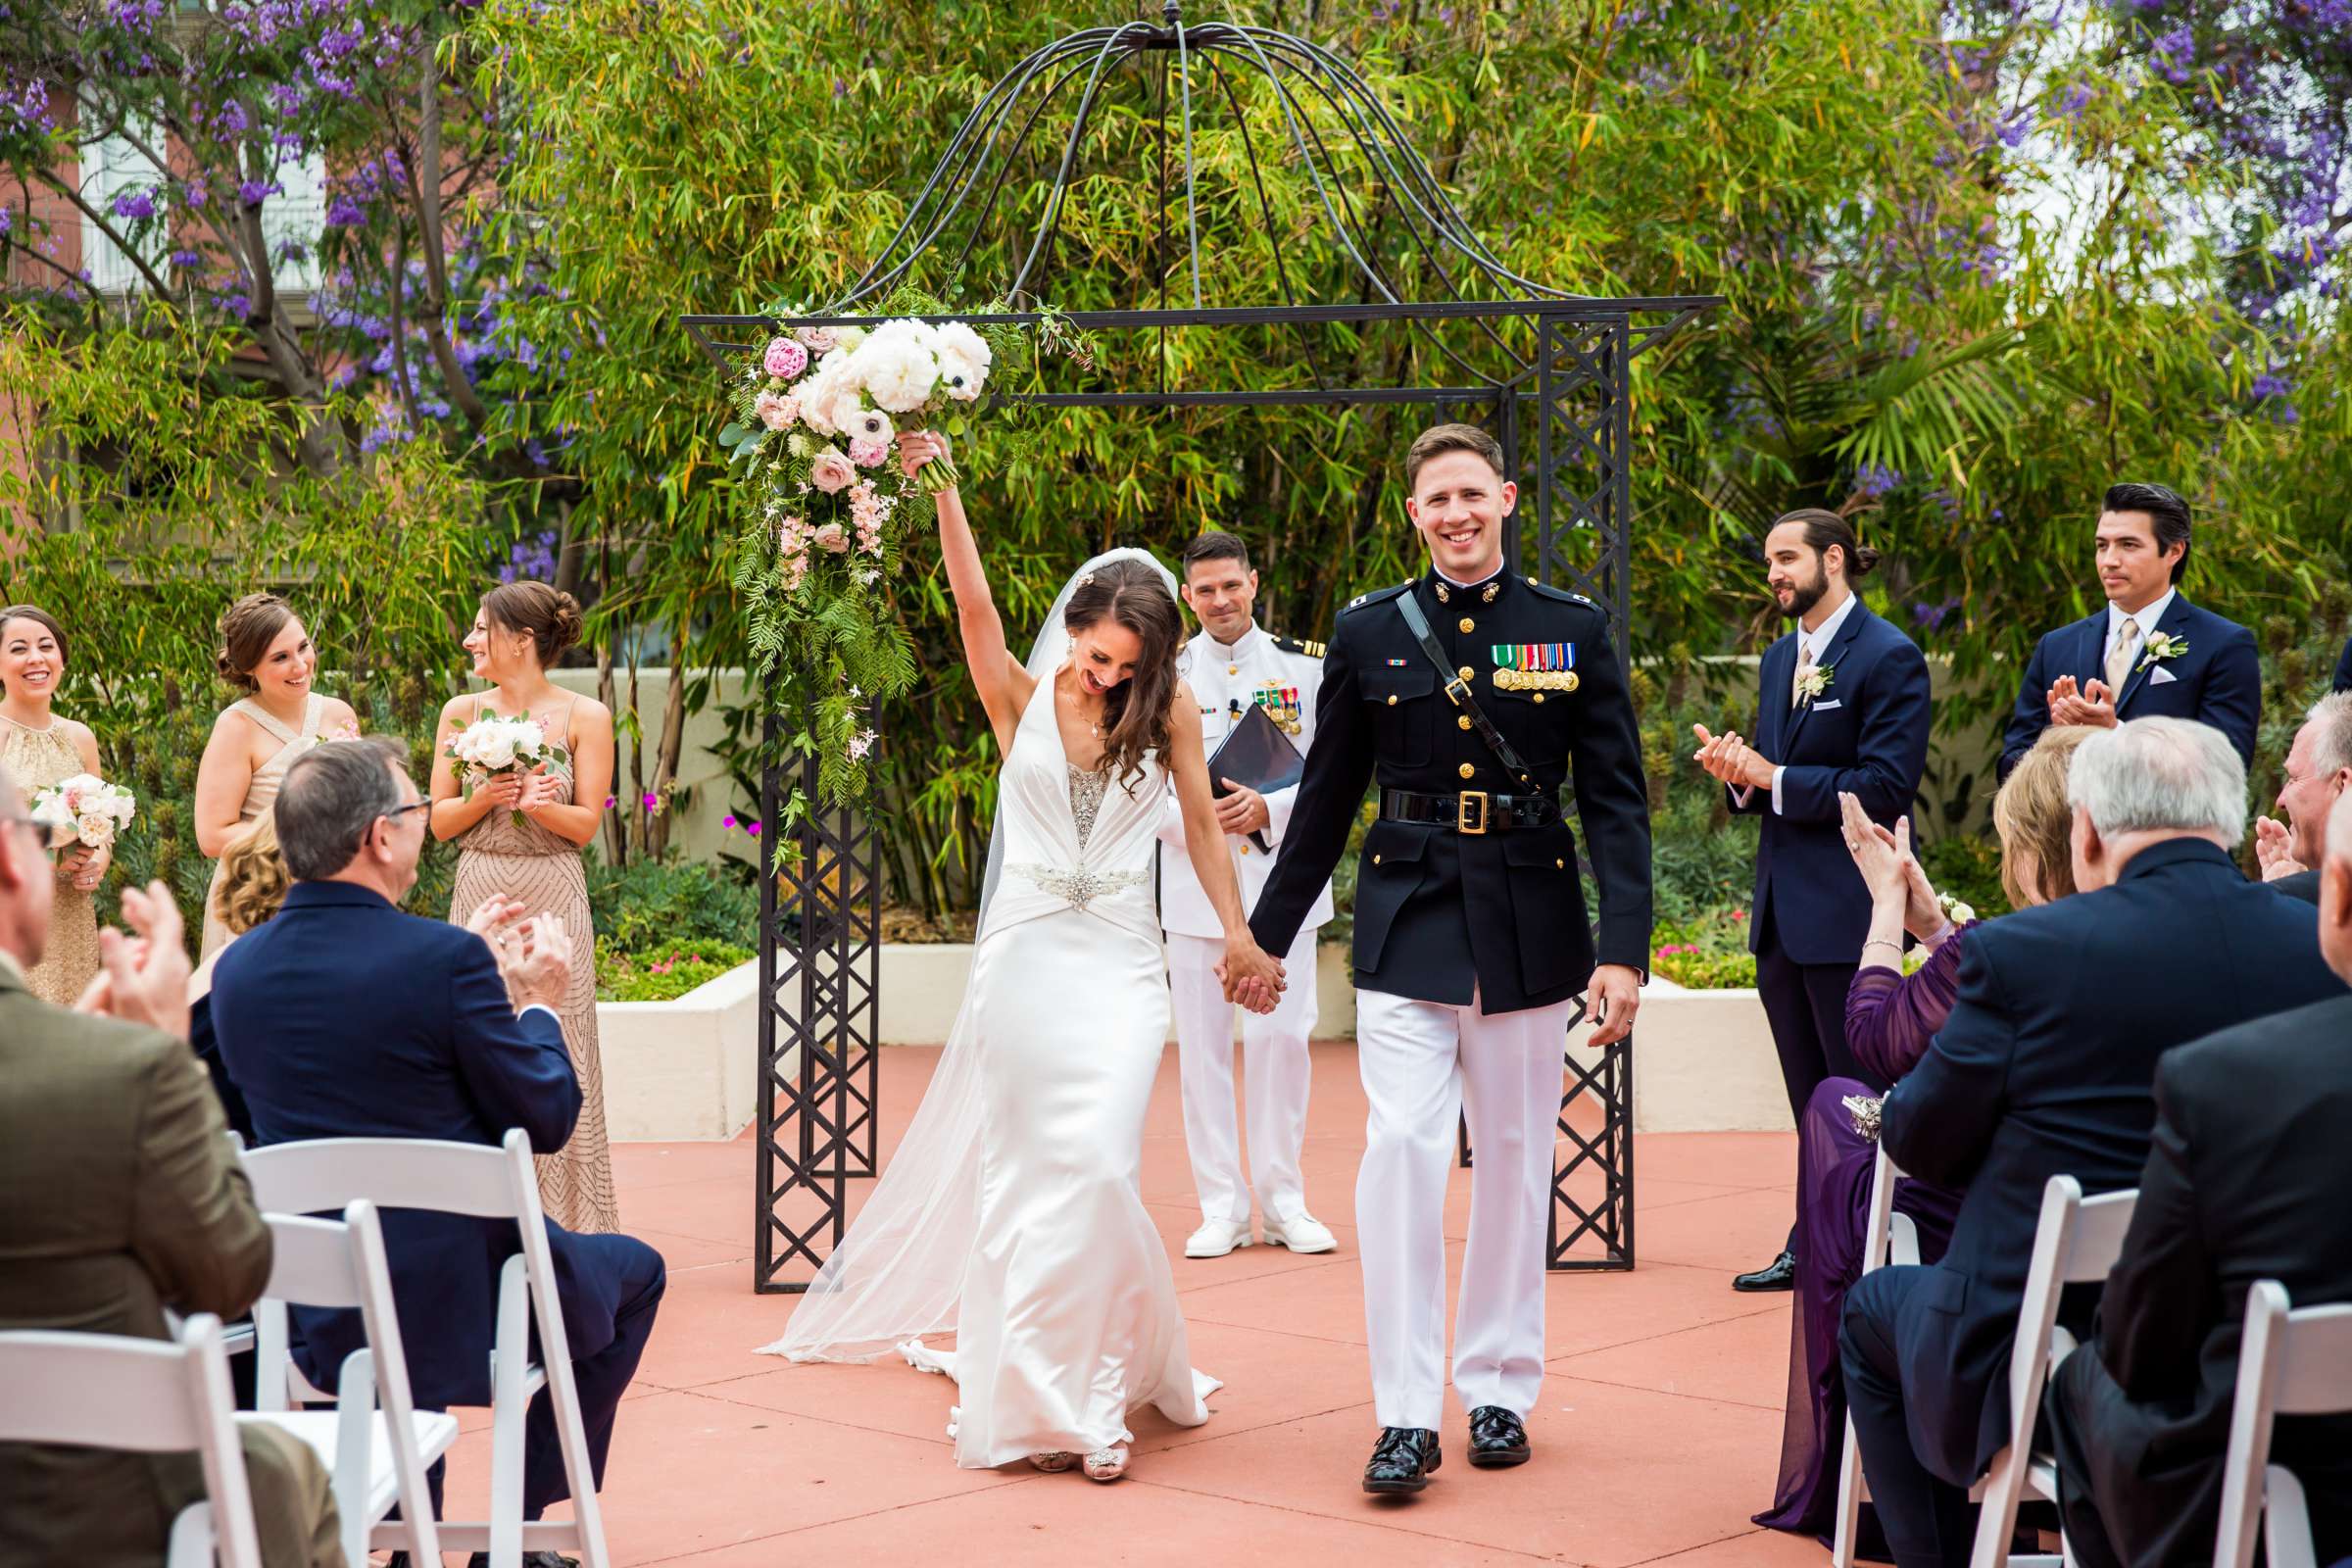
[
  {"x": 2289, "y": 1363},
  {"x": 470, "y": 1179},
  {"x": 2076, "y": 1242},
  {"x": 375, "y": 1444},
  {"x": 1888, "y": 1238},
  {"x": 110, "y": 1390}
]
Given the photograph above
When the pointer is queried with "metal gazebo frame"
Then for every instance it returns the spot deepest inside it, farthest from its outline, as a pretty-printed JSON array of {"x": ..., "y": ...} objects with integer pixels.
[{"x": 1559, "y": 407}]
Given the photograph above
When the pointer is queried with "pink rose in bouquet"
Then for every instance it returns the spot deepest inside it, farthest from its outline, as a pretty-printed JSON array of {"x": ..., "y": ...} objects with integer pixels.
[
  {"x": 784, "y": 359},
  {"x": 832, "y": 473},
  {"x": 831, "y": 536},
  {"x": 775, "y": 411}
]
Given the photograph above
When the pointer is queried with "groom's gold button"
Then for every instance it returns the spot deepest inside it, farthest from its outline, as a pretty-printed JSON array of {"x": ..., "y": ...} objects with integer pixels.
[
  {"x": 1462, "y": 719},
  {"x": 1392, "y": 698},
  {"x": 1538, "y": 696},
  {"x": 1376, "y": 859},
  {"x": 1469, "y": 625},
  {"x": 1467, "y": 673},
  {"x": 1560, "y": 864},
  {"x": 1468, "y": 771}
]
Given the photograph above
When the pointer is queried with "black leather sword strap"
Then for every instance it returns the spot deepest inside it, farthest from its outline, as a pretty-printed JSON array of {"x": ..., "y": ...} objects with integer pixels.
[{"x": 1457, "y": 692}]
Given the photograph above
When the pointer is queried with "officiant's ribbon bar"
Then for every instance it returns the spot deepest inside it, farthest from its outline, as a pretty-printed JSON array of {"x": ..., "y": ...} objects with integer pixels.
[{"x": 1534, "y": 666}]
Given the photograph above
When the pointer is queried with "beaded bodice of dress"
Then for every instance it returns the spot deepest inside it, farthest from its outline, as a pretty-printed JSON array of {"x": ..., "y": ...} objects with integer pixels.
[{"x": 1087, "y": 788}]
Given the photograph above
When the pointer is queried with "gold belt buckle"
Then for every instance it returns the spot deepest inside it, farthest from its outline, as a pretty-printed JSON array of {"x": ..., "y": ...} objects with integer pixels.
[{"x": 1462, "y": 822}]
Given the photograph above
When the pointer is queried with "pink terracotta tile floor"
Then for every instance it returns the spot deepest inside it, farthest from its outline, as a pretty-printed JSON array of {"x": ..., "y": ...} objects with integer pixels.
[{"x": 1657, "y": 1435}]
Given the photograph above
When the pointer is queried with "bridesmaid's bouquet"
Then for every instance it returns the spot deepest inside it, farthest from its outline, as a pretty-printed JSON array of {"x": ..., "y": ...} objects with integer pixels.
[
  {"x": 85, "y": 806},
  {"x": 493, "y": 744}
]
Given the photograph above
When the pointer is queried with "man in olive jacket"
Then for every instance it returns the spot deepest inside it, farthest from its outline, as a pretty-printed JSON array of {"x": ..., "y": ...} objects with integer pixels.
[{"x": 119, "y": 1196}]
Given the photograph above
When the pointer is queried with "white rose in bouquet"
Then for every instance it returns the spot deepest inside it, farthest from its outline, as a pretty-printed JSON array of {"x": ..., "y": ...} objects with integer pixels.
[
  {"x": 493, "y": 744},
  {"x": 831, "y": 397},
  {"x": 897, "y": 365},
  {"x": 89, "y": 808},
  {"x": 964, "y": 359}
]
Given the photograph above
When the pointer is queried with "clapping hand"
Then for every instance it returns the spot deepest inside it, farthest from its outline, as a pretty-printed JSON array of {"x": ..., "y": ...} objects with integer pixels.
[
  {"x": 494, "y": 916},
  {"x": 2094, "y": 704},
  {"x": 1731, "y": 760},
  {"x": 143, "y": 978},
  {"x": 2273, "y": 849},
  {"x": 535, "y": 956},
  {"x": 1253, "y": 977},
  {"x": 1241, "y": 811},
  {"x": 1889, "y": 868}
]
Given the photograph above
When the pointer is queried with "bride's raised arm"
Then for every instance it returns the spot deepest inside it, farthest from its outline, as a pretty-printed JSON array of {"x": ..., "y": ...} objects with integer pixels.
[
  {"x": 1212, "y": 861},
  {"x": 1002, "y": 681}
]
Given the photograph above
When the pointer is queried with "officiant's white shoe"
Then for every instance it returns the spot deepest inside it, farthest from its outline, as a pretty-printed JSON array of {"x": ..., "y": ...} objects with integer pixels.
[
  {"x": 1106, "y": 1464},
  {"x": 1221, "y": 1236},
  {"x": 1301, "y": 1233}
]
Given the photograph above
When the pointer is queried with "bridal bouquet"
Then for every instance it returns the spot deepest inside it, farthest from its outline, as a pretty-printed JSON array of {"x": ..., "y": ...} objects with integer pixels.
[
  {"x": 814, "y": 418},
  {"x": 493, "y": 744},
  {"x": 89, "y": 808}
]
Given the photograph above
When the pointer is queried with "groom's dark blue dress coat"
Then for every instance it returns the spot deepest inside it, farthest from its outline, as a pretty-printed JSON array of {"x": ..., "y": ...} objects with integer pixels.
[{"x": 2217, "y": 681}]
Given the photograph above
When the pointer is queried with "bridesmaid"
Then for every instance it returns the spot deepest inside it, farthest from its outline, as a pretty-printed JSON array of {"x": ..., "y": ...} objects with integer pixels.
[
  {"x": 265, "y": 652},
  {"x": 38, "y": 749},
  {"x": 519, "y": 633}
]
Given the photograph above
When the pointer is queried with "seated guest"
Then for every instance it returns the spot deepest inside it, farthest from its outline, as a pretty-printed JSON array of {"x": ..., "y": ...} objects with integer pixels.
[
  {"x": 2244, "y": 1182},
  {"x": 122, "y": 1198},
  {"x": 2319, "y": 770},
  {"x": 2343, "y": 669},
  {"x": 443, "y": 1053},
  {"x": 2047, "y": 1067},
  {"x": 2146, "y": 653},
  {"x": 247, "y": 889},
  {"x": 1890, "y": 1018}
]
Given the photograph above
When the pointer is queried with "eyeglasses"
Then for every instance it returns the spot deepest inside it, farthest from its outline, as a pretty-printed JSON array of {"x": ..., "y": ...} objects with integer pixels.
[
  {"x": 398, "y": 812},
  {"x": 40, "y": 830}
]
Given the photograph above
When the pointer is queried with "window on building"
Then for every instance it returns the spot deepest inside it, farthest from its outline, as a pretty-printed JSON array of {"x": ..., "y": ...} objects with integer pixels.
[{"x": 113, "y": 169}]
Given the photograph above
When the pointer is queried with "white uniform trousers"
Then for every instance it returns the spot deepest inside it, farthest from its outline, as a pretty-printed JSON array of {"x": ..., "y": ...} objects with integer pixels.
[
  {"x": 1424, "y": 1065},
  {"x": 1275, "y": 1071}
]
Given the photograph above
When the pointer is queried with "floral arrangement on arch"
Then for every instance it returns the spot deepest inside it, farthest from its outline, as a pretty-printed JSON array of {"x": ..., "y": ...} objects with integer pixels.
[{"x": 816, "y": 416}]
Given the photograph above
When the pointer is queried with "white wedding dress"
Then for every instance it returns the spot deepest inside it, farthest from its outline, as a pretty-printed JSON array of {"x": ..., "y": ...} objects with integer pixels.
[{"x": 1012, "y": 1212}]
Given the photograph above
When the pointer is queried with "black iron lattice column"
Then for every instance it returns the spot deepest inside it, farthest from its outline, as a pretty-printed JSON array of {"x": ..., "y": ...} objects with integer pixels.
[
  {"x": 1583, "y": 516},
  {"x": 820, "y": 954}
]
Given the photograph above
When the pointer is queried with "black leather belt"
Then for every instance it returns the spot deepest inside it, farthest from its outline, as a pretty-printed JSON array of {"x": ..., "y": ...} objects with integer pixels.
[{"x": 1471, "y": 811}]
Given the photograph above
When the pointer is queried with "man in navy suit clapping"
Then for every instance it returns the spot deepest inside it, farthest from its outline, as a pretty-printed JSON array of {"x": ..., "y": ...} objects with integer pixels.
[
  {"x": 343, "y": 1017},
  {"x": 1844, "y": 709},
  {"x": 2147, "y": 652}
]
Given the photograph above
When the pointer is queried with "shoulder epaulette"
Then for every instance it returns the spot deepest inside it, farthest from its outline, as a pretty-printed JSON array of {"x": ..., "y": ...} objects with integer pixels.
[
  {"x": 1302, "y": 647},
  {"x": 1562, "y": 595},
  {"x": 1378, "y": 596}
]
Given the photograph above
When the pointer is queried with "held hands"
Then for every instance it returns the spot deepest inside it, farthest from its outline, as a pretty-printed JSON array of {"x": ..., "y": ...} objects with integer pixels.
[
  {"x": 143, "y": 978},
  {"x": 1612, "y": 999},
  {"x": 1731, "y": 760},
  {"x": 1890, "y": 870},
  {"x": 1241, "y": 811},
  {"x": 501, "y": 790},
  {"x": 85, "y": 865},
  {"x": 2273, "y": 849},
  {"x": 2094, "y": 704},
  {"x": 919, "y": 447},
  {"x": 1253, "y": 977},
  {"x": 537, "y": 788}
]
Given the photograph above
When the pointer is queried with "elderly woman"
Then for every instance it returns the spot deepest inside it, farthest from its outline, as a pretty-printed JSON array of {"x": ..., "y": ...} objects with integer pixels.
[{"x": 1889, "y": 1019}]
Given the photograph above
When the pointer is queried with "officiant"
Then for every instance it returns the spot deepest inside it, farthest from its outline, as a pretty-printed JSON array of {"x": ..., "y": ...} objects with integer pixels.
[{"x": 1257, "y": 694}]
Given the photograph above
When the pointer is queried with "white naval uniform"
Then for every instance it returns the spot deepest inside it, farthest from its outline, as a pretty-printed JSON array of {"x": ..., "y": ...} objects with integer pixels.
[{"x": 1274, "y": 1045}]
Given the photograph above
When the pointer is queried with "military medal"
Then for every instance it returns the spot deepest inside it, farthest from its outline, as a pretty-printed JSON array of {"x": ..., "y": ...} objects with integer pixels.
[
  {"x": 1534, "y": 666},
  {"x": 1283, "y": 706}
]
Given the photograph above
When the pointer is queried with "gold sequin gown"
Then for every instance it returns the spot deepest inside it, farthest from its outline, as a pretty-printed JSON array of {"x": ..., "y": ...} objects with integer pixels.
[
  {"x": 37, "y": 759},
  {"x": 542, "y": 868},
  {"x": 260, "y": 792}
]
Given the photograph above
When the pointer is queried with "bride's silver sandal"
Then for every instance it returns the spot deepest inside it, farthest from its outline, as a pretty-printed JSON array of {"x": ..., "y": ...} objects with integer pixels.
[
  {"x": 1106, "y": 1464},
  {"x": 1054, "y": 1461}
]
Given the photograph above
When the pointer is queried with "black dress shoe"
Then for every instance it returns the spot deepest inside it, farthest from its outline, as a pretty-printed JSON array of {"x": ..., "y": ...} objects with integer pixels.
[
  {"x": 530, "y": 1560},
  {"x": 1777, "y": 1275},
  {"x": 1403, "y": 1460},
  {"x": 1497, "y": 1438}
]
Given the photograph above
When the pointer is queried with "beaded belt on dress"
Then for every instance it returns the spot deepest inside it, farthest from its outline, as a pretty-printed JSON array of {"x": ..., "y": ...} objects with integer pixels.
[{"x": 1078, "y": 884}]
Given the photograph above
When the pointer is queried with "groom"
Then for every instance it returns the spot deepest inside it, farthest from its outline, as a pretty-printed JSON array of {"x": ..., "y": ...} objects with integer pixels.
[{"x": 1472, "y": 696}]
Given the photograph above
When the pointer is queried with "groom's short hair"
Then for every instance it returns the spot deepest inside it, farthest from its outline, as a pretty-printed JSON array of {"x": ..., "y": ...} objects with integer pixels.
[
  {"x": 1440, "y": 439},
  {"x": 1215, "y": 545}
]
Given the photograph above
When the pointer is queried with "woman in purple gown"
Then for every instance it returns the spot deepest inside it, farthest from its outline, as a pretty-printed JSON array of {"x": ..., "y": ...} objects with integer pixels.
[{"x": 1890, "y": 1019}]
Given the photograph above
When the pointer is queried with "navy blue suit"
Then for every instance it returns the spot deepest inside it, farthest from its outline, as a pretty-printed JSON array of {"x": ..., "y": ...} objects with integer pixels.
[
  {"x": 2218, "y": 681},
  {"x": 2046, "y": 1066},
  {"x": 343, "y": 1017},
  {"x": 1866, "y": 735},
  {"x": 2343, "y": 669}
]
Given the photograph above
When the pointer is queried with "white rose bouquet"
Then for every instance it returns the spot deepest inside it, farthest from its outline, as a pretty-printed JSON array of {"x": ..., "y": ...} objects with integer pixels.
[
  {"x": 493, "y": 744},
  {"x": 85, "y": 806}
]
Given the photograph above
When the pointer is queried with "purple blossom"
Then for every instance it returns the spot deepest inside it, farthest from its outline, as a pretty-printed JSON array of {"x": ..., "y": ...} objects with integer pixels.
[
  {"x": 254, "y": 192},
  {"x": 2267, "y": 385},
  {"x": 345, "y": 213},
  {"x": 137, "y": 205},
  {"x": 1874, "y": 482}
]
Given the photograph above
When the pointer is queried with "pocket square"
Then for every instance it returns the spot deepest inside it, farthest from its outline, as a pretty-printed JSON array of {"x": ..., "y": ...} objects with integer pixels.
[
  {"x": 2160, "y": 676},
  {"x": 1826, "y": 704}
]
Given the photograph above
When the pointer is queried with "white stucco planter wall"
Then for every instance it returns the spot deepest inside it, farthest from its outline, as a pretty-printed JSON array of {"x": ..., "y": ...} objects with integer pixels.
[
  {"x": 1704, "y": 1062},
  {"x": 682, "y": 1070}
]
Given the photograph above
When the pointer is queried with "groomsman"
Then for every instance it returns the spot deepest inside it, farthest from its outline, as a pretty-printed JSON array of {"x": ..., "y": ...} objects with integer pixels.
[
  {"x": 1233, "y": 666},
  {"x": 1471, "y": 695},
  {"x": 1844, "y": 709},
  {"x": 2148, "y": 650}
]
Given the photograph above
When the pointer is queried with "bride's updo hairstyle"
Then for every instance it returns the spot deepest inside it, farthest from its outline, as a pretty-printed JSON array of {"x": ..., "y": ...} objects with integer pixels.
[
  {"x": 1135, "y": 712},
  {"x": 547, "y": 616}
]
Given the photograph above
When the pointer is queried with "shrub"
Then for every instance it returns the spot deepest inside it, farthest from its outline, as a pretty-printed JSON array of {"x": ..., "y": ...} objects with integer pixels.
[
  {"x": 651, "y": 905},
  {"x": 664, "y": 971}
]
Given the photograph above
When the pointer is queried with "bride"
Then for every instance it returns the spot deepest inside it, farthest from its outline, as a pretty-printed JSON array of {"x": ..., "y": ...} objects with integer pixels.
[{"x": 1012, "y": 1212}]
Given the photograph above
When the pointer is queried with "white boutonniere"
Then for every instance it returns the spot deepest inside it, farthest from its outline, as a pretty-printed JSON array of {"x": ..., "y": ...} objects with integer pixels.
[
  {"x": 2161, "y": 646},
  {"x": 1813, "y": 682},
  {"x": 1954, "y": 911}
]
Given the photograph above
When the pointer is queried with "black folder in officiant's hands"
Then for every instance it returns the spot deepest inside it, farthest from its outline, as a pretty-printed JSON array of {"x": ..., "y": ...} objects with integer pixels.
[{"x": 1258, "y": 755}]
